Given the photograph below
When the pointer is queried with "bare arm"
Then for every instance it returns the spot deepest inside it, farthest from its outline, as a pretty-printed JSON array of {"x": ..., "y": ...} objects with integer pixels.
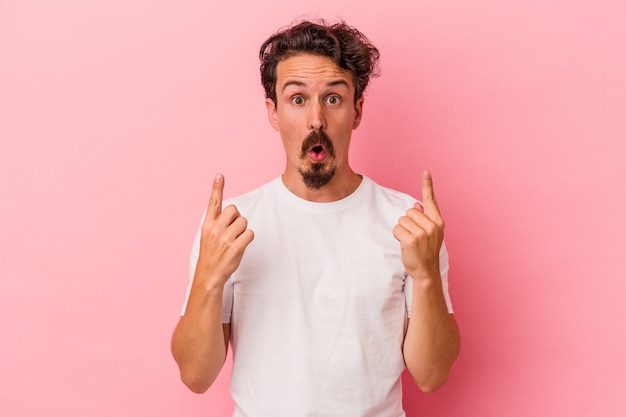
[
  {"x": 200, "y": 340},
  {"x": 431, "y": 344},
  {"x": 432, "y": 340}
]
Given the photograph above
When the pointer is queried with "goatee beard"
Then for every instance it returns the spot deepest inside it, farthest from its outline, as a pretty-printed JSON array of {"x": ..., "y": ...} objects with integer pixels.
[{"x": 316, "y": 176}]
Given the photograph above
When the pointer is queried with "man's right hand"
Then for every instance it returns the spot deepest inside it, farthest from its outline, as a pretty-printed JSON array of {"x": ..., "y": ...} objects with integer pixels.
[
  {"x": 200, "y": 340},
  {"x": 224, "y": 237}
]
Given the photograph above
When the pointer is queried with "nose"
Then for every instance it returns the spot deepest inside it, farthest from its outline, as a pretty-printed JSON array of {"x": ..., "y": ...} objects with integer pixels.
[{"x": 317, "y": 119}]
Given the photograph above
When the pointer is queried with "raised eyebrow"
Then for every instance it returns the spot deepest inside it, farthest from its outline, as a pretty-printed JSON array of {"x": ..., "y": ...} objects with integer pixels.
[
  {"x": 293, "y": 82},
  {"x": 338, "y": 82},
  {"x": 329, "y": 84}
]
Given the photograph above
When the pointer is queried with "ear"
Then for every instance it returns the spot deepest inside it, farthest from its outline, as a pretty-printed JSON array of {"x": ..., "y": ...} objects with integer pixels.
[
  {"x": 272, "y": 114},
  {"x": 358, "y": 112}
]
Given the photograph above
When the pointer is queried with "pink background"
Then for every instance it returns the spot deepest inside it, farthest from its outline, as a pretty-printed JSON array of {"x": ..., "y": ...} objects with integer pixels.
[{"x": 115, "y": 115}]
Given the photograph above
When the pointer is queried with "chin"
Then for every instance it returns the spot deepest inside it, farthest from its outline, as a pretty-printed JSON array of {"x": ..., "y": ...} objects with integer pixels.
[{"x": 315, "y": 178}]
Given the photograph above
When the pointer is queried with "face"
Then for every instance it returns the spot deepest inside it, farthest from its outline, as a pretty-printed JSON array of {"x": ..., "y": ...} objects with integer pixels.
[{"x": 315, "y": 113}]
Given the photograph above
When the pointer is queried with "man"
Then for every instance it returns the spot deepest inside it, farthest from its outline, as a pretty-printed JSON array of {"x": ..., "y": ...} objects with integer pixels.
[{"x": 316, "y": 301}]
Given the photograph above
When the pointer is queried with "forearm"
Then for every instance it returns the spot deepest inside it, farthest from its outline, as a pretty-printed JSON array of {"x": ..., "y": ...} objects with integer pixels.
[
  {"x": 432, "y": 340},
  {"x": 200, "y": 339}
]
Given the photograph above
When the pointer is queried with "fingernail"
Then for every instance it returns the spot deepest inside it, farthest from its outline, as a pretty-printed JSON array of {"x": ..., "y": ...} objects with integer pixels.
[
  {"x": 218, "y": 178},
  {"x": 426, "y": 174}
]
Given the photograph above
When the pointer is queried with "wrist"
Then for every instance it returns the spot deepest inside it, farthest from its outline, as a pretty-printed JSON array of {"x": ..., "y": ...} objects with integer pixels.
[
  {"x": 210, "y": 283},
  {"x": 425, "y": 276}
]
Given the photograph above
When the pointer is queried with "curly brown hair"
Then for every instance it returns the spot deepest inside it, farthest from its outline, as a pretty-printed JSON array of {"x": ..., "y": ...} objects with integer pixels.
[{"x": 343, "y": 44}]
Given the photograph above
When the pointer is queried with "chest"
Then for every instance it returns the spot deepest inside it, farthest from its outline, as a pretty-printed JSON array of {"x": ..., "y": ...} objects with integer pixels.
[{"x": 328, "y": 262}]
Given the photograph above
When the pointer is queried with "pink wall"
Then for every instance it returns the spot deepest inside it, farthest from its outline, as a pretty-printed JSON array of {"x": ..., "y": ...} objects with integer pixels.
[{"x": 114, "y": 116}]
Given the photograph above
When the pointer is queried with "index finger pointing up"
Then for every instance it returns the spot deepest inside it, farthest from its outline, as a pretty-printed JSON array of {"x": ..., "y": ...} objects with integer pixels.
[
  {"x": 428, "y": 196},
  {"x": 215, "y": 202}
]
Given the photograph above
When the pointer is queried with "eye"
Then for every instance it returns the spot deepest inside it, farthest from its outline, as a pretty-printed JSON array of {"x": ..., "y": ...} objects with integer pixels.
[
  {"x": 297, "y": 100},
  {"x": 334, "y": 99}
]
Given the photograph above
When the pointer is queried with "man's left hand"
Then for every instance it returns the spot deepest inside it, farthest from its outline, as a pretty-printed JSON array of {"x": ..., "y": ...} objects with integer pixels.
[{"x": 420, "y": 233}]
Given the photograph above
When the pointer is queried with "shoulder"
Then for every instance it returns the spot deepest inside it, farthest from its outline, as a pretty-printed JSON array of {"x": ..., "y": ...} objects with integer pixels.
[
  {"x": 265, "y": 192},
  {"x": 388, "y": 197},
  {"x": 257, "y": 203}
]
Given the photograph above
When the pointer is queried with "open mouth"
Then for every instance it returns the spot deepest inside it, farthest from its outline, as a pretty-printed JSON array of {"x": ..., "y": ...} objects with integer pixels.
[
  {"x": 317, "y": 147},
  {"x": 317, "y": 153}
]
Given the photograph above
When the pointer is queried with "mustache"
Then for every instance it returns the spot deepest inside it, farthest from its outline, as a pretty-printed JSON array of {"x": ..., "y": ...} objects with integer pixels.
[{"x": 317, "y": 137}]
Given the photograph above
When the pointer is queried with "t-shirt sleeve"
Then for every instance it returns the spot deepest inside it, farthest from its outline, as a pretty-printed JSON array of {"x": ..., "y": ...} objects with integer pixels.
[
  {"x": 227, "y": 303},
  {"x": 444, "y": 267}
]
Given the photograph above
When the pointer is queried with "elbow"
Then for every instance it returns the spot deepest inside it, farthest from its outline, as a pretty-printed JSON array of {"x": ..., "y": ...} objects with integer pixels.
[
  {"x": 196, "y": 378},
  {"x": 196, "y": 388},
  {"x": 194, "y": 382},
  {"x": 190, "y": 370},
  {"x": 189, "y": 373},
  {"x": 431, "y": 379},
  {"x": 432, "y": 384}
]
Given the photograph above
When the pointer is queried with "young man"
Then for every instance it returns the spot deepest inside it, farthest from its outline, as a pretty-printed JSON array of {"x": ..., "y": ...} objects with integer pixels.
[{"x": 316, "y": 301}]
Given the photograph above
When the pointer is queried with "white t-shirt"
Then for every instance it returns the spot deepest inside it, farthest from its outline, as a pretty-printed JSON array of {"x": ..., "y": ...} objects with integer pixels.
[{"x": 318, "y": 305}]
